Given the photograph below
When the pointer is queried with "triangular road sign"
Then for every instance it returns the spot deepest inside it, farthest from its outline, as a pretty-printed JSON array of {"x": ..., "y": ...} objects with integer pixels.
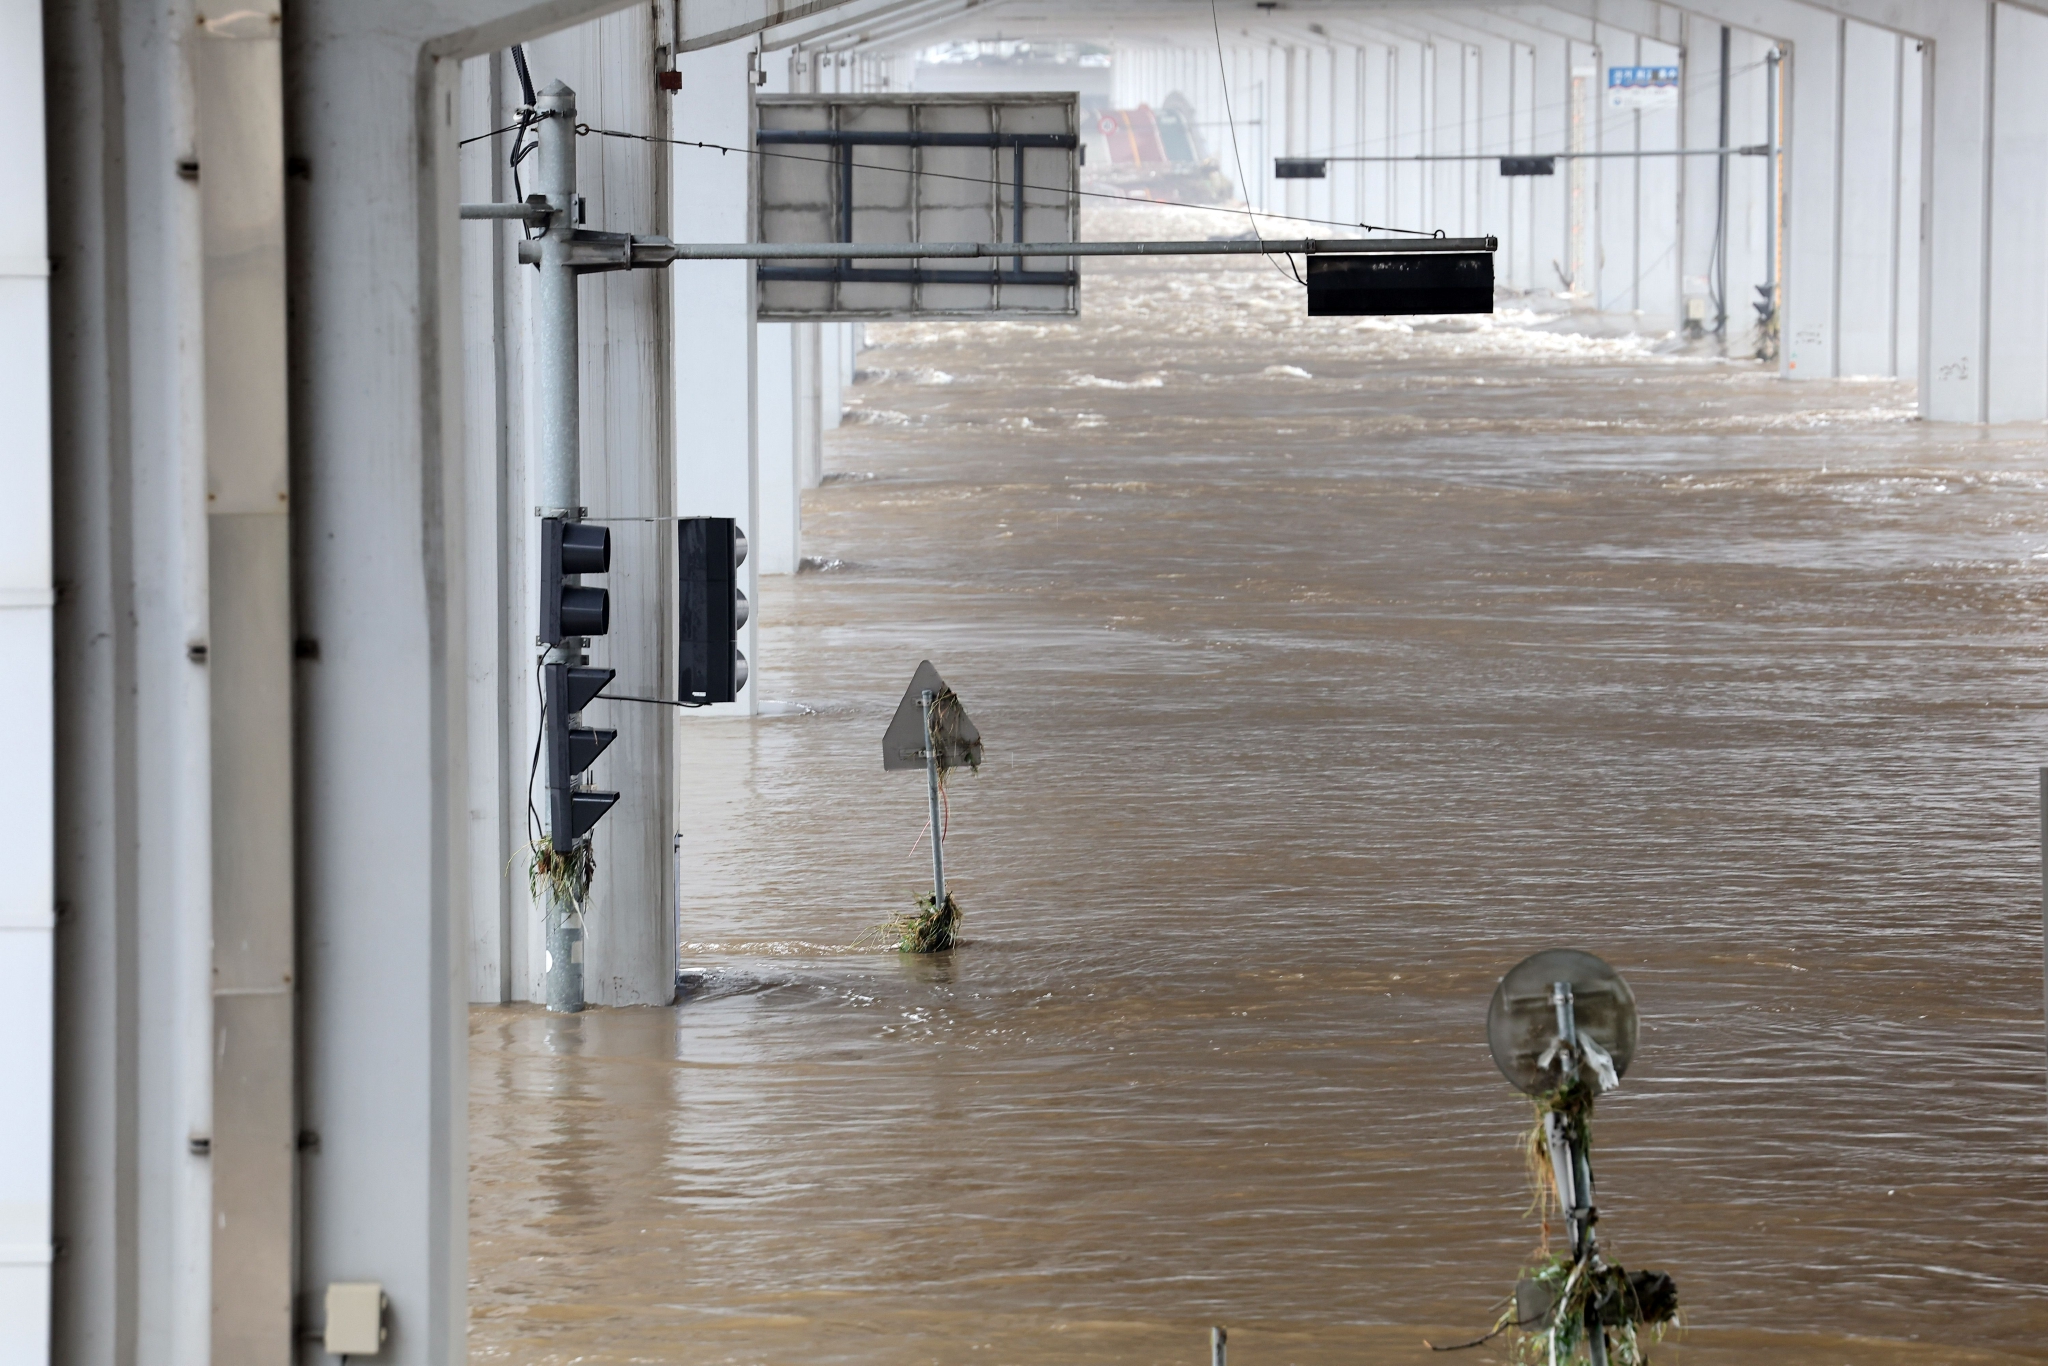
[{"x": 903, "y": 743}]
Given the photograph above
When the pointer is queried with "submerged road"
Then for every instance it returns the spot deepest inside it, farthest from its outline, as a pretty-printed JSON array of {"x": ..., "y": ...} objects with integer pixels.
[{"x": 1326, "y": 668}]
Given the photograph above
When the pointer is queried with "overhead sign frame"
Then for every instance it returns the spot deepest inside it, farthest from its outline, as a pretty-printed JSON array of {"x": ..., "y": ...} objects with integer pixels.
[{"x": 913, "y": 168}]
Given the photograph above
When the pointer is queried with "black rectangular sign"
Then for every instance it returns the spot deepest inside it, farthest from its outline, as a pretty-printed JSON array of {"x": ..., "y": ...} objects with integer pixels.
[
  {"x": 1392, "y": 285},
  {"x": 1528, "y": 165},
  {"x": 1299, "y": 168}
]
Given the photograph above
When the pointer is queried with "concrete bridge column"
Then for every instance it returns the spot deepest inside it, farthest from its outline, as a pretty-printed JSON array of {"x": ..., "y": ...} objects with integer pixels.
[
  {"x": 627, "y": 476},
  {"x": 716, "y": 464},
  {"x": 1876, "y": 264},
  {"x": 779, "y": 434},
  {"x": 2016, "y": 323}
]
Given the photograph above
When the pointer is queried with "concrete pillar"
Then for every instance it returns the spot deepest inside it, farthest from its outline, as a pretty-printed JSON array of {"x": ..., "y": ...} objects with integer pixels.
[
  {"x": 1318, "y": 75},
  {"x": 1811, "y": 113},
  {"x": 1867, "y": 279},
  {"x": 1347, "y": 67},
  {"x": 1956, "y": 278},
  {"x": 1414, "y": 117},
  {"x": 1613, "y": 259},
  {"x": 776, "y": 539},
  {"x": 834, "y": 373},
  {"x": 1908, "y": 209},
  {"x": 1549, "y": 196},
  {"x": 2016, "y": 358},
  {"x": 495, "y": 843},
  {"x": 380, "y": 549},
  {"x": 779, "y": 435},
  {"x": 627, "y": 474},
  {"x": 1654, "y": 287},
  {"x": 27, "y": 912},
  {"x": 1530, "y": 264},
  {"x": 131, "y": 1197},
  {"x": 713, "y": 306},
  {"x": 1699, "y": 184},
  {"x": 248, "y": 653},
  {"x": 809, "y": 393},
  {"x": 1492, "y": 62}
]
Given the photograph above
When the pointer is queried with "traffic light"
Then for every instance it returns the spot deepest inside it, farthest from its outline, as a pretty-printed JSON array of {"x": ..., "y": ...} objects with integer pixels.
[
  {"x": 569, "y": 612},
  {"x": 568, "y": 609},
  {"x": 712, "y": 609},
  {"x": 573, "y": 810}
]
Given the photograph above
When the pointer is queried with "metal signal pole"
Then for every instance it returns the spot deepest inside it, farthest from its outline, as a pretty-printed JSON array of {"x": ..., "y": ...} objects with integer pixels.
[{"x": 560, "y": 475}]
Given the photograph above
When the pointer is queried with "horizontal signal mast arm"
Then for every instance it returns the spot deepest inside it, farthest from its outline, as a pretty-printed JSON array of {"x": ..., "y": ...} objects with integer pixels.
[
  {"x": 1757, "y": 150},
  {"x": 536, "y": 212},
  {"x": 596, "y": 251},
  {"x": 876, "y": 251}
]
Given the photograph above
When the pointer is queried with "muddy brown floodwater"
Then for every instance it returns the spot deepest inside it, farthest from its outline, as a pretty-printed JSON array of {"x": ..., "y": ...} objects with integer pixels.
[{"x": 1327, "y": 668}]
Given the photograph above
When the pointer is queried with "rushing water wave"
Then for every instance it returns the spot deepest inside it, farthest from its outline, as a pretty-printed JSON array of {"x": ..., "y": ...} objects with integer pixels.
[{"x": 1326, "y": 668}]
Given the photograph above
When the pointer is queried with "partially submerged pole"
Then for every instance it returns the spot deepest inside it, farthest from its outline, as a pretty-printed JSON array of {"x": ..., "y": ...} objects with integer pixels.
[
  {"x": 1573, "y": 1168},
  {"x": 556, "y": 361},
  {"x": 931, "y": 778}
]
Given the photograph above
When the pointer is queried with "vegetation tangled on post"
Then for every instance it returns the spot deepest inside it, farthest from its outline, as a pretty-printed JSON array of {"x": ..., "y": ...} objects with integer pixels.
[
  {"x": 1572, "y": 1103},
  {"x": 1621, "y": 1302},
  {"x": 934, "y": 929},
  {"x": 1559, "y": 1297},
  {"x": 560, "y": 879}
]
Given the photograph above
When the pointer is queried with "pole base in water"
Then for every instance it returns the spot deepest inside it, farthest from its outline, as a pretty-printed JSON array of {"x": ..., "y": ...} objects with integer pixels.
[{"x": 565, "y": 965}]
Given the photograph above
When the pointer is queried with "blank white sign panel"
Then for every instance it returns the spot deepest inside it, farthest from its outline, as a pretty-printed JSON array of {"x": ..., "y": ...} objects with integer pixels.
[{"x": 917, "y": 168}]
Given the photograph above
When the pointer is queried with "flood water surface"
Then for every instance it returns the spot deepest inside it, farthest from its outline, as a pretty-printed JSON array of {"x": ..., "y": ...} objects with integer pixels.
[{"x": 1327, "y": 668}]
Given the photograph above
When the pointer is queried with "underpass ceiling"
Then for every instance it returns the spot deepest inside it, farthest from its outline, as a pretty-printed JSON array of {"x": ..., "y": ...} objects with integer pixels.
[{"x": 892, "y": 23}]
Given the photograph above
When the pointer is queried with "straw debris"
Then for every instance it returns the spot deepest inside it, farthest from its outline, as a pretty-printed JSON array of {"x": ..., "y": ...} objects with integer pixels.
[
  {"x": 560, "y": 881},
  {"x": 1558, "y": 1298}
]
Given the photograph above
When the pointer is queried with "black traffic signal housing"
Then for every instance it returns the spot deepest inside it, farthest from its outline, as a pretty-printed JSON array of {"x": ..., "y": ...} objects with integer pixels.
[
  {"x": 711, "y": 609},
  {"x": 568, "y": 612},
  {"x": 572, "y": 810},
  {"x": 569, "y": 609},
  {"x": 1393, "y": 284}
]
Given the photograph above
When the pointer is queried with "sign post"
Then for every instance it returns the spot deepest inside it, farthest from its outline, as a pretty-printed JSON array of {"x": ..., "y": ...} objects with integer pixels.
[
  {"x": 926, "y": 698},
  {"x": 930, "y": 730}
]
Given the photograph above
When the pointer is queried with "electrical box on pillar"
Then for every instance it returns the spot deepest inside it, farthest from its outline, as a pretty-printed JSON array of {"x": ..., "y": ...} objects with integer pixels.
[{"x": 711, "y": 610}]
